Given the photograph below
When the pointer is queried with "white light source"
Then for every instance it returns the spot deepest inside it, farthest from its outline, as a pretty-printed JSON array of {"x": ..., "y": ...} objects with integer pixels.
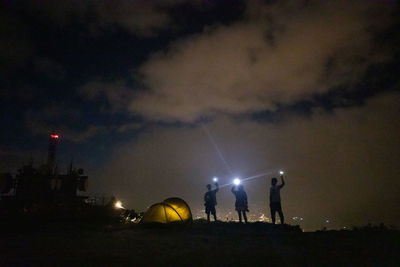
[
  {"x": 215, "y": 179},
  {"x": 281, "y": 172},
  {"x": 236, "y": 181},
  {"x": 118, "y": 205}
]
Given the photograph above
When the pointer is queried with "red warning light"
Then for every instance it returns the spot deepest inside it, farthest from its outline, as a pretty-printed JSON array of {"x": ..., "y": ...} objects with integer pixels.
[{"x": 54, "y": 136}]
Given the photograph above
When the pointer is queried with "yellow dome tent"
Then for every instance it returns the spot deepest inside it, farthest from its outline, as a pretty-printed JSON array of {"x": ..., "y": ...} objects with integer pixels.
[
  {"x": 170, "y": 210},
  {"x": 181, "y": 207}
]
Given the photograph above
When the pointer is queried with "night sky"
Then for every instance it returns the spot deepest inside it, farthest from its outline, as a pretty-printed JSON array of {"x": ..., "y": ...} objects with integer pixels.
[{"x": 145, "y": 93}]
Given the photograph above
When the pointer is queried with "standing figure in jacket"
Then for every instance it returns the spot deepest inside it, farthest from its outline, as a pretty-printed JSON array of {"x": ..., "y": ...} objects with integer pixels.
[
  {"x": 241, "y": 202},
  {"x": 210, "y": 201},
  {"x": 275, "y": 199}
]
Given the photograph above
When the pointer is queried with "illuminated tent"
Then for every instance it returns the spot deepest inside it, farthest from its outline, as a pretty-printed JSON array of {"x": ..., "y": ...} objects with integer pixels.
[
  {"x": 181, "y": 207},
  {"x": 171, "y": 210}
]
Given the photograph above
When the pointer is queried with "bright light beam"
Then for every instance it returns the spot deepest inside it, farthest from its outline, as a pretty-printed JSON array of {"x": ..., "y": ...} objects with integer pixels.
[
  {"x": 216, "y": 148},
  {"x": 250, "y": 178},
  {"x": 118, "y": 205},
  {"x": 257, "y": 176}
]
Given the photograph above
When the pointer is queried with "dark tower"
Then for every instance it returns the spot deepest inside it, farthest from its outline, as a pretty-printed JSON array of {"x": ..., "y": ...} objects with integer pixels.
[{"x": 51, "y": 156}]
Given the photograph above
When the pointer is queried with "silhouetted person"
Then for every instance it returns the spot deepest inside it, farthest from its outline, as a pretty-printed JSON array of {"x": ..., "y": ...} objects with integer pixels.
[
  {"x": 210, "y": 201},
  {"x": 241, "y": 202},
  {"x": 275, "y": 199}
]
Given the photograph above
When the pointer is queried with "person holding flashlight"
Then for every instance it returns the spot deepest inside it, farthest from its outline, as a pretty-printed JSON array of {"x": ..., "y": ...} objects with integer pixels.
[
  {"x": 210, "y": 201},
  {"x": 241, "y": 201},
  {"x": 275, "y": 198}
]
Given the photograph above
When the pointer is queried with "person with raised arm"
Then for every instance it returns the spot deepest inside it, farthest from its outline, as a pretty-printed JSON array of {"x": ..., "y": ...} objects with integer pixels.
[
  {"x": 275, "y": 198},
  {"x": 241, "y": 202},
  {"x": 210, "y": 201}
]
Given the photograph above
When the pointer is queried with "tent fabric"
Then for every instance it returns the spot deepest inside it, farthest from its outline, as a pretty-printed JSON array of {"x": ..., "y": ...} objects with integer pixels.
[
  {"x": 169, "y": 211},
  {"x": 181, "y": 207}
]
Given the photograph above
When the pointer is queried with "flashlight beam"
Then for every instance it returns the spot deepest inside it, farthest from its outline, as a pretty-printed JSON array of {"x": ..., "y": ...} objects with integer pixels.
[
  {"x": 216, "y": 148},
  {"x": 118, "y": 205},
  {"x": 257, "y": 176},
  {"x": 250, "y": 178}
]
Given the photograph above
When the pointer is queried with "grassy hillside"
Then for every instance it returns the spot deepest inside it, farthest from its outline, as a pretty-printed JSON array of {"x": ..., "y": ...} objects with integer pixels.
[{"x": 198, "y": 244}]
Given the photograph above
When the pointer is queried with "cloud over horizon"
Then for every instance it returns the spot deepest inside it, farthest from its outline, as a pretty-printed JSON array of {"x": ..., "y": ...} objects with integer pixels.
[{"x": 280, "y": 54}]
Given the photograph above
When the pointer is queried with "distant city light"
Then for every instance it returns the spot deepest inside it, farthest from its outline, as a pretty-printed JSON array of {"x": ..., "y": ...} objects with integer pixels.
[
  {"x": 327, "y": 221},
  {"x": 296, "y": 218},
  {"x": 281, "y": 172},
  {"x": 215, "y": 179},
  {"x": 118, "y": 205},
  {"x": 54, "y": 136},
  {"x": 236, "y": 181}
]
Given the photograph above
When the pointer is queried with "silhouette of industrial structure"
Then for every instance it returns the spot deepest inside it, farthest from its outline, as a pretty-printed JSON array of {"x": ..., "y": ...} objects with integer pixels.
[{"x": 42, "y": 189}]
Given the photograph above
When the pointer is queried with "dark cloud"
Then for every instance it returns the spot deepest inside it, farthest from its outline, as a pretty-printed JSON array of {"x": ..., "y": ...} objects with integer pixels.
[
  {"x": 58, "y": 119},
  {"x": 66, "y": 132},
  {"x": 129, "y": 127},
  {"x": 281, "y": 53},
  {"x": 16, "y": 48},
  {"x": 117, "y": 94},
  {"x": 70, "y": 125},
  {"x": 21, "y": 22},
  {"x": 139, "y": 17},
  {"x": 341, "y": 166},
  {"x": 49, "y": 68}
]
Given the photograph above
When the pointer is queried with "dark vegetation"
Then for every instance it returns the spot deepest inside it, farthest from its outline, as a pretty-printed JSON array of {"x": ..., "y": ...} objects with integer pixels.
[{"x": 93, "y": 243}]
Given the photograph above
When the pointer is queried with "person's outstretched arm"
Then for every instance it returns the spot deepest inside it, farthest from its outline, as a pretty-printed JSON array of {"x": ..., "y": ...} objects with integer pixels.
[
  {"x": 283, "y": 182},
  {"x": 217, "y": 187}
]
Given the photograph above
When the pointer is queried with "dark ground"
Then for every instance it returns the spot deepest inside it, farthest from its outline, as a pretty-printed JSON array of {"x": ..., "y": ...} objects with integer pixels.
[{"x": 199, "y": 244}]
